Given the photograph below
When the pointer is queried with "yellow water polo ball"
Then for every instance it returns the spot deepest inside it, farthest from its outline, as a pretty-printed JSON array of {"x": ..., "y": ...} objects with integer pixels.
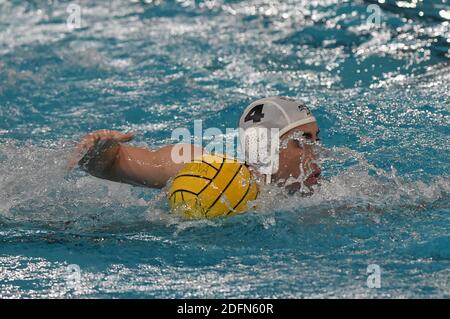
[{"x": 212, "y": 186}]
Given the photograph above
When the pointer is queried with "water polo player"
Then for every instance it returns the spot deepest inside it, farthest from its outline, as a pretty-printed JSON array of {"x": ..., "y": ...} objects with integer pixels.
[{"x": 103, "y": 153}]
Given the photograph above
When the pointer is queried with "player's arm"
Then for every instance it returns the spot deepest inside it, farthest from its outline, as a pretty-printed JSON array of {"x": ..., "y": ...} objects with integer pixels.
[{"x": 104, "y": 155}]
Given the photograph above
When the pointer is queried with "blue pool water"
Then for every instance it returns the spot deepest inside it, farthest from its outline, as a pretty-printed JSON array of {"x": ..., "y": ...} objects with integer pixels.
[{"x": 381, "y": 94}]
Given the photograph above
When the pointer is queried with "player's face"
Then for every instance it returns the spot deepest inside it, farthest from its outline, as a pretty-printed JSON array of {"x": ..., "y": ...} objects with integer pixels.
[{"x": 297, "y": 155}]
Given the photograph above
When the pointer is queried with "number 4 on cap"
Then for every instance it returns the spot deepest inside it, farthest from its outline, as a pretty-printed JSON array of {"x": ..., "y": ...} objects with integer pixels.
[{"x": 255, "y": 114}]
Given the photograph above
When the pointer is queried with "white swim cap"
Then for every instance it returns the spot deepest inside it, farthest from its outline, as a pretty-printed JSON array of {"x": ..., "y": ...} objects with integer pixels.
[{"x": 274, "y": 112}]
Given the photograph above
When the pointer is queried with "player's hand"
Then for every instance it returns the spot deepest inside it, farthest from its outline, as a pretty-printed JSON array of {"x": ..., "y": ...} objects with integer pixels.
[{"x": 89, "y": 141}]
